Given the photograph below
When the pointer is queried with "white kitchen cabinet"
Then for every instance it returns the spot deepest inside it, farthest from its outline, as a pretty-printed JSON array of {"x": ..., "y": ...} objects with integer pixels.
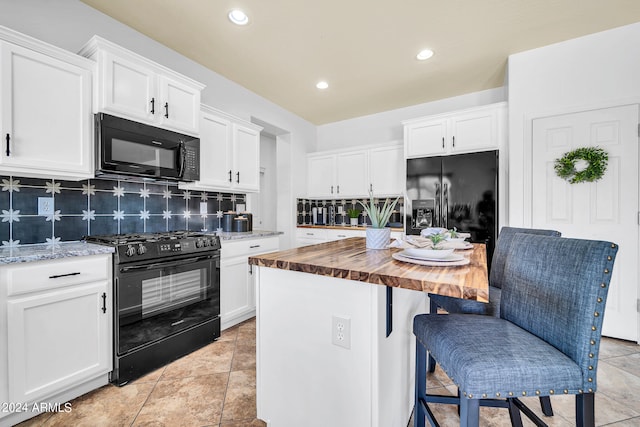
[
  {"x": 246, "y": 158},
  {"x": 237, "y": 289},
  {"x": 229, "y": 154},
  {"x": 131, "y": 86},
  {"x": 46, "y": 122},
  {"x": 321, "y": 172},
  {"x": 354, "y": 173},
  {"x": 311, "y": 236},
  {"x": 58, "y": 330},
  {"x": 387, "y": 170},
  {"x": 475, "y": 129}
]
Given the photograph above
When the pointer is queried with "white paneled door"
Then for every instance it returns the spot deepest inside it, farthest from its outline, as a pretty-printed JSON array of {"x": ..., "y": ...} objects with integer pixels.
[{"x": 605, "y": 210}]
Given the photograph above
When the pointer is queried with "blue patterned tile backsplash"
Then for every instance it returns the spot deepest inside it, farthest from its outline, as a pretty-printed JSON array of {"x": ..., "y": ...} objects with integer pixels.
[{"x": 100, "y": 206}]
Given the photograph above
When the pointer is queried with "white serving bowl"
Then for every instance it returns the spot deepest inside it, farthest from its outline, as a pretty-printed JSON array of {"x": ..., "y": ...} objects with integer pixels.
[{"x": 428, "y": 253}]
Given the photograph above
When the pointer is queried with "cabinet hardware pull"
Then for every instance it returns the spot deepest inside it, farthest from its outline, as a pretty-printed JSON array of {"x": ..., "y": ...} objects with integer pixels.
[
  {"x": 443, "y": 142},
  {"x": 454, "y": 142},
  {"x": 341, "y": 235},
  {"x": 337, "y": 189},
  {"x": 254, "y": 246},
  {"x": 64, "y": 275},
  {"x": 238, "y": 177},
  {"x": 178, "y": 322},
  {"x": 371, "y": 187},
  {"x": 153, "y": 105},
  {"x": 332, "y": 189},
  {"x": 166, "y": 110},
  {"x": 230, "y": 180},
  {"x": 8, "y": 139},
  {"x": 310, "y": 234},
  {"x": 104, "y": 302}
]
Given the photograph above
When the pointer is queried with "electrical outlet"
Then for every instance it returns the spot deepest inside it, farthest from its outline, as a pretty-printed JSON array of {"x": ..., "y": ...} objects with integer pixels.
[
  {"x": 203, "y": 208},
  {"x": 45, "y": 205},
  {"x": 341, "y": 331}
]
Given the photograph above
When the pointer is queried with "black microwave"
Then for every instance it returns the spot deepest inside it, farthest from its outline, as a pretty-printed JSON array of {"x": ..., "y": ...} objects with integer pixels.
[{"x": 128, "y": 148}]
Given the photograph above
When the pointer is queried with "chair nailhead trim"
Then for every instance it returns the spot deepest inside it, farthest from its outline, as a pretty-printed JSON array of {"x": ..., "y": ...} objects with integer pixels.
[
  {"x": 590, "y": 380},
  {"x": 591, "y": 355},
  {"x": 497, "y": 394},
  {"x": 603, "y": 285},
  {"x": 524, "y": 393},
  {"x": 609, "y": 258},
  {"x": 537, "y": 392},
  {"x": 470, "y": 396},
  {"x": 484, "y": 395},
  {"x": 591, "y": 368},
  {"x": 593, "y": 342},
  {"x": 551, "y": 391},
  {"x": 606, "y": 271},
  {"x": 599, "y": 299},
  {"x": 593, "y": 328},
  {"x": 580, "y": 391},
  {"x": 510, "y": 393},
  {"x": 590, "y": 390},
  {"x": 613, "y": 245},
  {"x": 566, "y": 391},
  {"x": 596, "y": 314}
]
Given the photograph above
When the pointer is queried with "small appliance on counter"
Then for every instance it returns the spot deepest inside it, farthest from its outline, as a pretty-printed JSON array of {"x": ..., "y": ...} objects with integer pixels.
[
  {"x": 249, "y": 218},
  {"x": 227, "y": 220},
  {"x": 240, "y": 224},
  {"x": 319, "y": 216}
]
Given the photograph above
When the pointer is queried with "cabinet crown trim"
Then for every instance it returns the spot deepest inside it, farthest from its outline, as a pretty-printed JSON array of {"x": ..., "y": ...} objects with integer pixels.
[
  {"x": 452, "y": 113},
  {"x": 28, "y": 42},
  {"x": 97, "y": 44},
  {"x": 357, "y": 148}
]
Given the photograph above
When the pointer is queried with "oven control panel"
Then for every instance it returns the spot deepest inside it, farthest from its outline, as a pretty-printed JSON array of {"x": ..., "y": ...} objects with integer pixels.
[{"x": 164, "y": 248}]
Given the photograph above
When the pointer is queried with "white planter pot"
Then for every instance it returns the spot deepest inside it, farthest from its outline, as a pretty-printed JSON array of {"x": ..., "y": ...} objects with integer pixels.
[
  {"x": 353, "y": 221},
  {"x": 378, "y": 238}
]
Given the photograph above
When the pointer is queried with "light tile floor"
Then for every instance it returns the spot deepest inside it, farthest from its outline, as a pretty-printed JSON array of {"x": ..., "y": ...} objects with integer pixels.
[{"x": 215, "y": 386}]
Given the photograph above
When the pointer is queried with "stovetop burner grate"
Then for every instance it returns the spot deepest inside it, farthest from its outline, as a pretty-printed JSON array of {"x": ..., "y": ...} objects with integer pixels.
[{"x": 131, "y": 238}]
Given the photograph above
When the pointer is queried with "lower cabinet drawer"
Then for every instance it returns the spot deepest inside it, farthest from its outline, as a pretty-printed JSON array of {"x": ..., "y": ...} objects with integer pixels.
[{"x": 233, "y": 248}]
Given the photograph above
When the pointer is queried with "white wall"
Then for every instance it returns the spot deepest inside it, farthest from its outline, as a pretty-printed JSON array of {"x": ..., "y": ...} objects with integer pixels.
[
  {"x": 385, "y": 127},
  {"x": 594, "y": 71},
  {"x": 69, "y": 24}
]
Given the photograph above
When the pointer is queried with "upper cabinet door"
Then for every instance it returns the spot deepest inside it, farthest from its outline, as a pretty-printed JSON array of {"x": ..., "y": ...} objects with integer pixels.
[
  {"x": 128, "y": 89},
  {"x": 179, "y": 105},
  {"x": 45, "y": 114},
  {"x": 426, "y": 138},
  {"x": 387, "y": 170},
  {"x": 352, "y": 173},
  {"x": 215, "y": 151},
  {"x": 246, "y": 159},
  {"x": 321, "y": 172},
  {"x": 474, "y": 131}
]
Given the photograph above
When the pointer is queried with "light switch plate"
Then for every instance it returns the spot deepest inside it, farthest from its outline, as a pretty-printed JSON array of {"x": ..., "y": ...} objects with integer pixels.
[
  {"x": 45, "y": 206},
  {"x": 203, "y": 208}
]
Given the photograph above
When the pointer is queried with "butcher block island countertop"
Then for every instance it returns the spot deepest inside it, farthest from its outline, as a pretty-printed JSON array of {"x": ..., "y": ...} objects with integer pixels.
[
  {"x": 350, "y": 259},
  {"x": 335, "y": 347}
]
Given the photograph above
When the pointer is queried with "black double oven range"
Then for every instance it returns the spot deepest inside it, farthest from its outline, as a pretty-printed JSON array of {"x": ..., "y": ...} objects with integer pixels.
[{"x": 166, "y": 298}]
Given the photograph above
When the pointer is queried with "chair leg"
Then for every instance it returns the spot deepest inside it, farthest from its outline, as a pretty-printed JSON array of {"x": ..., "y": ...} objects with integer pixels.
[
  {"x": 469, "y": 412},
  {"x": 585, "y": 414},
  {"x": 545, "y": 405},
  {"x": 431, "y": 364},
  {"x": 514, "y": 414},
  {"x": 420, "y": 386}
]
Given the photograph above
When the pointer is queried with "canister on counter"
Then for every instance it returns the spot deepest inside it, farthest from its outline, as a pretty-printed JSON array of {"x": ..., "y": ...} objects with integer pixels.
[
  {"x": 240, "y": 224},
  {"x": 249, "y": 217},
  {"x": 227, "y": 220}
]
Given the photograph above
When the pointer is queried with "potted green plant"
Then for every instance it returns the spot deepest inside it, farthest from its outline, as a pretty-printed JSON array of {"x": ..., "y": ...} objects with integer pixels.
[
  {"x": 378, "y": 235},
  {"x": 353, "y": 215}
]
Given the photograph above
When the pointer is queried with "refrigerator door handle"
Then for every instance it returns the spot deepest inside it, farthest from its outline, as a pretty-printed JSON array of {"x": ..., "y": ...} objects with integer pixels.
[
  {"x": 436, "y": 217},
  {"x": 445, "y": 207}
]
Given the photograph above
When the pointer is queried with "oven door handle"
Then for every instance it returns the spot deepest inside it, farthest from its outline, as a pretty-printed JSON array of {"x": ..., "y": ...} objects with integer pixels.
[{"x": 165, "y": 264}]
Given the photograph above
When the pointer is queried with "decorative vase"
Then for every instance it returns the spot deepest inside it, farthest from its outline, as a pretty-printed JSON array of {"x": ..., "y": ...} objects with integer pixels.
[
  {"x": 353, "y": 221},
  {"x": 378, "y": 238}
]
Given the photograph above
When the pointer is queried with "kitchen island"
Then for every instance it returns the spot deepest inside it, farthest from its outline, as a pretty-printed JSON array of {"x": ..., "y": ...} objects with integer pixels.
[{"x": 334, "y": 331}]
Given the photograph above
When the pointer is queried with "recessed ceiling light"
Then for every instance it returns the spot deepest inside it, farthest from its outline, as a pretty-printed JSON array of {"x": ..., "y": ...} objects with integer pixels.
[
  {"x": 238, "y": 17},
  {"x": 424, "y": 54},
  {"x": 322, "y": 85}
]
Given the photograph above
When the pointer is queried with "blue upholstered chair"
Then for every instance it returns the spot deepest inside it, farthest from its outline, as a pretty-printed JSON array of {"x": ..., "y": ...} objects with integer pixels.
[
  {"x": 545, "y": 341},
  {"x": 496, "y": 277}
]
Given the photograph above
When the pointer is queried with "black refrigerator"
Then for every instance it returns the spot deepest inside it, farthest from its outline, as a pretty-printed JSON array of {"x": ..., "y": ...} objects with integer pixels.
[{"x": 458, "y": 191}]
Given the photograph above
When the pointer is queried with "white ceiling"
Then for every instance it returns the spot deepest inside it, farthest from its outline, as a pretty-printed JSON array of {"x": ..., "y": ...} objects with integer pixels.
[{"x": 365, "y": 49}]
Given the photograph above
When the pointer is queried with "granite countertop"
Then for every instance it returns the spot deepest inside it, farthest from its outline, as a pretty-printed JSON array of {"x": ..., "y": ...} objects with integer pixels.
[
  {"x": 342, "y": 227},
  {"x": 350, "y": 259},
  {"x": 41, "y": 252},
  {"x": 255, "y": 234}
]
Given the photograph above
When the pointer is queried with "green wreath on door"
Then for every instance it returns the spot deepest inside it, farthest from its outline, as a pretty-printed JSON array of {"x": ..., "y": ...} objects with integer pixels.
[{"x": 586, "y": 164}]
